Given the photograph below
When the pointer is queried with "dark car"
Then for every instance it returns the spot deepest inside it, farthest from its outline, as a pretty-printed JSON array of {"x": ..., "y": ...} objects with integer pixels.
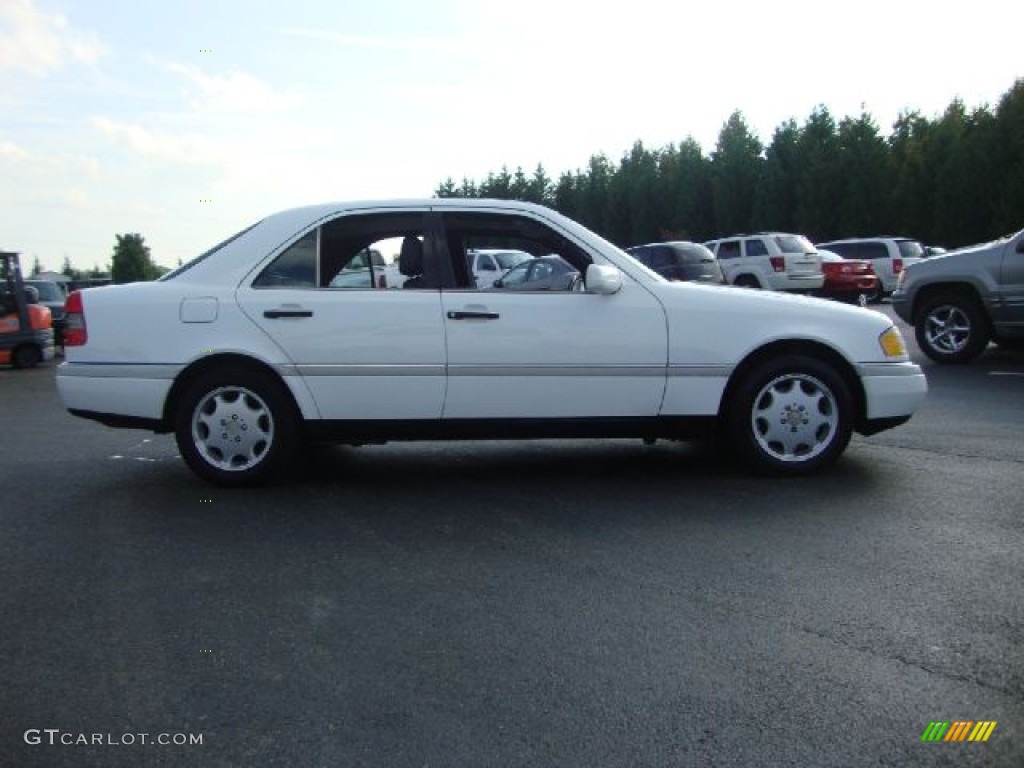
[
  {"x": 679, "y": 261},
  {"x": 547, "y": 273},
  {"x": 52, "y": 297}
]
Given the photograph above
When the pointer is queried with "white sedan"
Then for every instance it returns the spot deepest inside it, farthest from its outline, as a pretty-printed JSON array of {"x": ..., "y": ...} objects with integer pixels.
[{"x": 249, "y": 349}]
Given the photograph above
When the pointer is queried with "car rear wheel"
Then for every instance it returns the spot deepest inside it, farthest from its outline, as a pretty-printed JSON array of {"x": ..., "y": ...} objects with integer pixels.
[
  {"x": 791, "y": 416},
  {"x": 236, "y": 427},
  {"x": 26, "y": 356},
  {"x": 747, "y": 281},
  {"x": 952, "y": 329}
]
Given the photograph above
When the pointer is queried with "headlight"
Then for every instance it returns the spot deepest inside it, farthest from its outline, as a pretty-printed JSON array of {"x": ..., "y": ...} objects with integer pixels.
[{"x": 892, "y": 343}]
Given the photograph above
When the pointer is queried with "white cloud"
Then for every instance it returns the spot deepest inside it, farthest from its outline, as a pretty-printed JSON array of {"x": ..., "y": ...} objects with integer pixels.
[
  {"x": 437, "y": 46},
  {"x": 188, "y": 149},
  {"x": 236, "y": 91},
  {"x": 38, "y": 43},
  {"x": 9, "y": 151}
]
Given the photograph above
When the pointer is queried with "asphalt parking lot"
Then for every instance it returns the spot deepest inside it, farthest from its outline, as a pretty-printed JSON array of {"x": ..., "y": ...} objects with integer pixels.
[{"x": 550, "y": 603}]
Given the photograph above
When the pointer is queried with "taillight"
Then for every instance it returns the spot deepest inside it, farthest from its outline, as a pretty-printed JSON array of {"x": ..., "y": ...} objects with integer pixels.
[
  {"x": 75, "y": 334},
  {"x": 897, "y": 266},
  {"x": 382, "y": 281},
  {"x": 779, "y": 263}
]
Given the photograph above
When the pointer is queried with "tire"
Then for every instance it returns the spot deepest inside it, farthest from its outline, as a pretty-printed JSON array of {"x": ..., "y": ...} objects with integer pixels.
[
  {"x": 747, "y": 281},
  {"x": 26, "y": 356},
  {"x": 790, "y": 416},
  {"x": 952, "y": 329},
  {"x": 258, "y": 419}
]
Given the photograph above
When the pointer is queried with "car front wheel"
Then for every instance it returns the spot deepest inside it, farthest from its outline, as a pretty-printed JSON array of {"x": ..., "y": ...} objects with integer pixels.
[
  {"x": 236, "y": 427},
  {"x": 791, "y": 416},
  {"x": 952, "y": 329}
]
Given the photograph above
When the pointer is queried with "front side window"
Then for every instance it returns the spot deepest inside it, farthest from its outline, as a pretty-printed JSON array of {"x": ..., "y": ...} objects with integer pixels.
[
  {"x": 730, "y": 249},
  {"x": 517, "y": 239}
]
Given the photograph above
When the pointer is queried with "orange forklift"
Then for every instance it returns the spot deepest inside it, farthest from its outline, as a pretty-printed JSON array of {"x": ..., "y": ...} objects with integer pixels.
[{"x": 26, "y": 327}]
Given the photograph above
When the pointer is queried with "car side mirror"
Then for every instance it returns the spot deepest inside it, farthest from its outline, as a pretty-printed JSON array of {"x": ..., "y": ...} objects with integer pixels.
[
  {"x": 603, "y": 279},
  {"x": 497, "y": 283}
]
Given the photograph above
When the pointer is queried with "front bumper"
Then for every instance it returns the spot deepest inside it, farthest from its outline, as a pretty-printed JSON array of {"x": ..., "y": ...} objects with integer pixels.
[{"x": 892, "y": 392}]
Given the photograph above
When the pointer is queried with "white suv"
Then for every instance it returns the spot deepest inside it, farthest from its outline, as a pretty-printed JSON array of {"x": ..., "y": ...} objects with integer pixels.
[
  {"x": 888, "y": 255},
  {"x": 773, "y": 261}
]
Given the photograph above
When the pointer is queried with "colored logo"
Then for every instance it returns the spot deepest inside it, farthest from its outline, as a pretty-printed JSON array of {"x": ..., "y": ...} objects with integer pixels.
[{"x": 959, "y": 730}]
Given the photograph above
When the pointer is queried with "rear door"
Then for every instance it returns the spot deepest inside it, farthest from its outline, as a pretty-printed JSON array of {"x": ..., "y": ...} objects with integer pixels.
[{"x": 365, "y": 353}]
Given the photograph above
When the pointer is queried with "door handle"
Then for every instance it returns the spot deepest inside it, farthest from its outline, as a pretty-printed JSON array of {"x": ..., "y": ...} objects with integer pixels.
[
  {"x": 472, "y": 315},
  {"x": 274, "y": 314}
]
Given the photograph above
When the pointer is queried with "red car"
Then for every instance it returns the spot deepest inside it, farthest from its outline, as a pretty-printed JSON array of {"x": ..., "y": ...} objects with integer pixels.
[{"x": 848, "y": 279}]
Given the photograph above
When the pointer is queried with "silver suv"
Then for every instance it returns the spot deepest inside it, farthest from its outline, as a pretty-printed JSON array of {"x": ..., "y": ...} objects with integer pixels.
[
  {"x": 959, "y": 301},
  {"x": 888, "y": 255},
  {"x": 774, "y": 261}
]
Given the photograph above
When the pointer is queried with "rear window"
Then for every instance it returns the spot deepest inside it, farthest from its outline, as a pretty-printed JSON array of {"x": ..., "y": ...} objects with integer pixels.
[
  {"x": 47, "y": 291},
  {"x": 691, "y": 254},
  {"x": 793, "y": 244},
  {"x": 910, "y": 249}
]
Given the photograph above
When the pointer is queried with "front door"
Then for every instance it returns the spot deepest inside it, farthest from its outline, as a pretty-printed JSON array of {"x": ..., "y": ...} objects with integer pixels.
[{"x": 552, "y": 353}]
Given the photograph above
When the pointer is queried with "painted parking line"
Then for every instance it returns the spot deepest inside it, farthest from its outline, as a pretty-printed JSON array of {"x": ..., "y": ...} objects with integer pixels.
[{"x": 1006, "y": 373}]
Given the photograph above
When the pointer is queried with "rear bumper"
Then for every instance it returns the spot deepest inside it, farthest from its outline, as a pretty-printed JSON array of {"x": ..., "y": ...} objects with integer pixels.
[{"x": 94, "y": 389}]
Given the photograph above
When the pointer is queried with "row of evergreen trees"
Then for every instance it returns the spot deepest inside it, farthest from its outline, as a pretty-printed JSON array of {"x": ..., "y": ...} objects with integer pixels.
[{"x": 951, "y": 181}]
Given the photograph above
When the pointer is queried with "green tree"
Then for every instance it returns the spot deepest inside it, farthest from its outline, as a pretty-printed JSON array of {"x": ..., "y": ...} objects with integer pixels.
[
  {"x": 775, "y": 203},
  {"x": 736, "y": 170},
  {"x": 911, "y": 197},
  {"x": 1009, "y": 189},
  {"x": 864, "y": 174},
  {"x": 36, "y": 266},
  {"x": 446, "y": 188},
  {"x": 131, "y": 261},
  {"x": 819, "y": 181},
  {"x": 67, "y": 270}
]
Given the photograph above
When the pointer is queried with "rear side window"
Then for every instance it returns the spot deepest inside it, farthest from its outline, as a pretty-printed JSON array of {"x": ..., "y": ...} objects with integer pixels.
[
  {"x": 873, "y": 251},
  {"x": 295, "y": 267},
  {"x": 756, "y": 248},
  {"x": 663, "y": 257}
]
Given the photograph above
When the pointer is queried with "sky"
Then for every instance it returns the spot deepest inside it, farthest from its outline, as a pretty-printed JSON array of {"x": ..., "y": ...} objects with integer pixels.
[{"x": 185, "y": 121}]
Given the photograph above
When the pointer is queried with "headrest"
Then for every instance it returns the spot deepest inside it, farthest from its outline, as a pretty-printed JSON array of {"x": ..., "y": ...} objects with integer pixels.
[{"x": 410, "y": 259}]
